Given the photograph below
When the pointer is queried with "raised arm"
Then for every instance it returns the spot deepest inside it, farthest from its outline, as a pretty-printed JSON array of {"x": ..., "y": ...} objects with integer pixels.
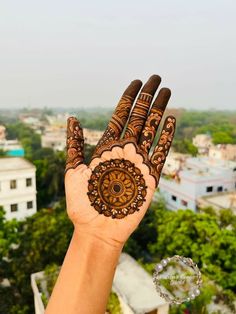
[{"x": 107, "y": 199}]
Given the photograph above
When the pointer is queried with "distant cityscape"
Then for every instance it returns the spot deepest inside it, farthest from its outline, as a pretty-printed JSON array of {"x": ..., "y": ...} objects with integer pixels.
[{"x": 187, "y": 182}]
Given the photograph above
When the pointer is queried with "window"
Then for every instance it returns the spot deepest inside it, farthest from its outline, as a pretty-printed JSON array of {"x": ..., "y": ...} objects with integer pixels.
[
  {"x": 14, "y": 207},
  {"x": 220, "y": 188},
  {"x": 30, "y": 205},
  {"x": 174, "y": 198},
  {"x": 29, "y": 182},
  {"x": 184, "y": 203},
  {"x": 13, "y": 184},
  {"x": 209, "y": 188}
]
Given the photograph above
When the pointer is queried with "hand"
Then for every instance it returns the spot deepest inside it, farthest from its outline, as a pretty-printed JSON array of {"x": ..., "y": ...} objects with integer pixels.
[{"x": 108, "y": 198}]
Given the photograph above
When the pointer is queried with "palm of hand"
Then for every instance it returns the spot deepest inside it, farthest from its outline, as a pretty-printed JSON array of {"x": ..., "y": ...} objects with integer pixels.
[
  {"x": 120, "y": 181},
  {"x": 83, "y": 214}
]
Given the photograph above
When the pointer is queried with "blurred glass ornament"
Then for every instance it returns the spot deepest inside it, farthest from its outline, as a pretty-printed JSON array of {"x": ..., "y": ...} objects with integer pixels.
[{"x": 177, "y": 279}]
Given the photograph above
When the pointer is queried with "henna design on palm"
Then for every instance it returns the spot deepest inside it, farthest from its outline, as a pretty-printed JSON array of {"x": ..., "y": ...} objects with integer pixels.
[
  {"x": 117, "y": 188},
  {"x": 124, "y": 170}
]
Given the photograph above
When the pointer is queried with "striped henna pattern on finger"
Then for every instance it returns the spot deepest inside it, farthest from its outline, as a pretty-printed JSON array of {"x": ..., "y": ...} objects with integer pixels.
[{"x": 138, "y": 116}]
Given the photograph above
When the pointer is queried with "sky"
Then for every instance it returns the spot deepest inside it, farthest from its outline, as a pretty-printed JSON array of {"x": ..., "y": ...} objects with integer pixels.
[{"x": 82, "y": 54}]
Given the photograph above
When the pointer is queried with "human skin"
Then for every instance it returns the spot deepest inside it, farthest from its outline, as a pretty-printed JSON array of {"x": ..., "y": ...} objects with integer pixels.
[{"x": 102, "y": 224}]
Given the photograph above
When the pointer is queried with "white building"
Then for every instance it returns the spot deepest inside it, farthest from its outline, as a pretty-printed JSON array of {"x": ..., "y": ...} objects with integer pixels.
[
  {"x": 12, "y": 148},
  {"x": 223, "y": 151},
  {"x": 54, "y": 139},
  {"x": 174, "y": 162},
  {"x": 17, "y": 187},
  {"x": 198, "y": 177},
  {"x": 203, "y": 142},
  {"x": 92, "y": 137},
  {"x": 226, "y": 200}
]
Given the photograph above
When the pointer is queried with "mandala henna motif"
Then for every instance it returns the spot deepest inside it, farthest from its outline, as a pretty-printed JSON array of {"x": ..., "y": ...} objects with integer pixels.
[
  {"x": 75, "y": 144},
  {"x": 116, "y": 188}
]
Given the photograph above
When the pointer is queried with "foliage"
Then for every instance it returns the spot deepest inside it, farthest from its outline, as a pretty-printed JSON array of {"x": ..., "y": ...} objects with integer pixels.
[
  {"x": 3, "y": 153},
  {"x": 99, "y": 119},
  {"x": 199, "y": 305},
  {"x": 113, "y": 305},
  {"x": 42, "y": 239},
  {"x": 221, "y": 125},
  {"x": 185, "y": 146},
  {"x": 50, "y": 178},
  {"x": 206, "y": 237},
  {"x": 145, "y": 235}
]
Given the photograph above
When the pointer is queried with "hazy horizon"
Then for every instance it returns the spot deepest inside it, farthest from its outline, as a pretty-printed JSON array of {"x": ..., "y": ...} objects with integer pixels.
[{"x": 83, "y": 55}]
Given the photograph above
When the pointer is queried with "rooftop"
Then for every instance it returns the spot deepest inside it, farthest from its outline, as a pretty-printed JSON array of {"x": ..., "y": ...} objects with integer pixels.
[
  {"x": 14, "y": 163},
  {"x": 222, "y": 200},
  {"x": 135, "y": 285}
]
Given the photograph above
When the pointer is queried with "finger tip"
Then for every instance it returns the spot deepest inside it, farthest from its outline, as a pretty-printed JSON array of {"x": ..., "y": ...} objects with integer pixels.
[
  {"x": 166, "y": 91},
  {"x": 136, "y": 82},
  {"x": 152, "y": 84},
  {"x": 155, "y": 77},
  {"x": 133, "y": 89}
]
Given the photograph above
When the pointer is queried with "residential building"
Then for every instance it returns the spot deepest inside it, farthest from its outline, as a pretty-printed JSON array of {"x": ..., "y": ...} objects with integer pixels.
[
  {"x": 223, "y": 151},
  {"x": 2, "y": 132},
  {"x": 203, "y": 142},
  {"x": 199, "y": 176},
  {"x": 132, "y": 284},
  {"x": 174, "y": 162},
  {"x": 222, "y": 200},
  {"x": 54, "y": 139},
  {"x": 92, "y": 137},
  {"x": 58, "y": 121},
  {"x": 17, "y": 187},
  {"x": 12, "y": 148}
]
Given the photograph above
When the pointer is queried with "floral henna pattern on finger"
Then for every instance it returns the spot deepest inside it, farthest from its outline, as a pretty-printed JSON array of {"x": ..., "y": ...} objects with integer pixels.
[
  {"x": 149, "y": 130},
  {"x": 75, "y": 144},
  {"x": 117, "y": 188},
  {"x": 161, "y": 151}
]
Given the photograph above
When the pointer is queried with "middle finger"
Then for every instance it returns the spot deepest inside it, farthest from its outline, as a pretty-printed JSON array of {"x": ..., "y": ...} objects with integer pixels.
[{"x": 139, "y": 113}]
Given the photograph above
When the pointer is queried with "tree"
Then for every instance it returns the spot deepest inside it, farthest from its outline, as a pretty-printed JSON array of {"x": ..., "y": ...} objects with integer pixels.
[
  {"x": 185, "y": 146},
  {"x": 208, "y": 239},
  {"x": 42, "y": 239}
]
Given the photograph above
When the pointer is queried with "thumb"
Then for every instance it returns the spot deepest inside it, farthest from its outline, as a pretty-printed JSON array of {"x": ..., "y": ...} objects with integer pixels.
[{"x": 74, "y": 144}]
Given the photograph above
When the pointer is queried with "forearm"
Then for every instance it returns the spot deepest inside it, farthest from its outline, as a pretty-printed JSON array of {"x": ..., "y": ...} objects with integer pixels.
[{"x": 86, "y": 276}]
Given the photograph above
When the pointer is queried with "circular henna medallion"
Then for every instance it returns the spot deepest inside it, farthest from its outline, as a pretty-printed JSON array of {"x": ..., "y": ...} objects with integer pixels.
[{"x": 116, "y": 188}]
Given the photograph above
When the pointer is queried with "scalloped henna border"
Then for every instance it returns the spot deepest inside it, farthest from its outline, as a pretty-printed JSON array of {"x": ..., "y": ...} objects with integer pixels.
[{"x": 121, "y": 143}]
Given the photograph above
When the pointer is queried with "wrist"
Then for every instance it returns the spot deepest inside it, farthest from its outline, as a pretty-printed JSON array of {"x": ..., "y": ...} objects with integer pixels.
[{"x": 96, "y": 241}]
